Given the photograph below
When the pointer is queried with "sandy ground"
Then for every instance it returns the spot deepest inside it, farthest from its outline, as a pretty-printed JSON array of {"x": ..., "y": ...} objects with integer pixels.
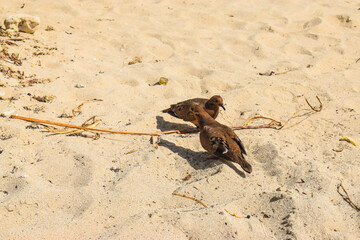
[{"x": 262, "y": 57}]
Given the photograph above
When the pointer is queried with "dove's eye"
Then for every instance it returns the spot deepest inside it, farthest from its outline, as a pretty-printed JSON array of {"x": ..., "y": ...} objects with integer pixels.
[{"x": 191, "y": 109}]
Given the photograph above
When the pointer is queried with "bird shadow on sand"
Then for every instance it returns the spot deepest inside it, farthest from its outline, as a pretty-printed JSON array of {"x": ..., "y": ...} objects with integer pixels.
[
  {"x": 163, "y": 125},
  {"x": 198, "y": 160}
]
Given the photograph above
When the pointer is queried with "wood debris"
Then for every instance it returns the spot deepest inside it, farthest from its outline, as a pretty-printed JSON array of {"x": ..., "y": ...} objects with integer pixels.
[
  {"x": 136, "y": 60},
  {"x": 49, "y": 28},
  {"x": 45, "y": 98}
]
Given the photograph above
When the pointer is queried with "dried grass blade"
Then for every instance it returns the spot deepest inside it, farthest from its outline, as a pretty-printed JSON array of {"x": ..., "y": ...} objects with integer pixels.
[
  {"x": 192, "y": 198},
  {"x": 78, "y": 108}
]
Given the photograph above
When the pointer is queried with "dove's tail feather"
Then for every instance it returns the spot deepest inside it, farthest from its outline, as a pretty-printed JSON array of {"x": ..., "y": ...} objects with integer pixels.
[{"x": 244, "y": 164}]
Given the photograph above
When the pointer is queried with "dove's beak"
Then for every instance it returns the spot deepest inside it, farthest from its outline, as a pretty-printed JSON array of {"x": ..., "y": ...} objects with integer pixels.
[{"x": 222, "y": 107}]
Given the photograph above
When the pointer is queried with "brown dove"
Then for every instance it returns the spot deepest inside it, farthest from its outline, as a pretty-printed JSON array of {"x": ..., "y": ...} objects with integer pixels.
[
  {"x": 219, "y": 139},
  {"x": 181, "y": 109}
]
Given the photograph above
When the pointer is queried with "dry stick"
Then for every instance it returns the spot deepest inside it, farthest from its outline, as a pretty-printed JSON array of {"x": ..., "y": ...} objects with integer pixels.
[
  {"x": 83, "y": 128},
  {"x": 347, "y": 197},
  {"x": 183, "y": 195},
  {"x": 158, "y": 133}
]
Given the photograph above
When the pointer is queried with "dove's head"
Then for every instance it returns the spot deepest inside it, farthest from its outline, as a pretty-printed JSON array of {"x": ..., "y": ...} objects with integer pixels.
[{"x": 215, "y": 102}]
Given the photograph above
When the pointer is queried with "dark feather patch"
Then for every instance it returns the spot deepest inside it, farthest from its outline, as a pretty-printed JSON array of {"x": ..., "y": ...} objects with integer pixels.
[
  {"x": 238, "y": 141},
  {"x": 220, "y": 144}
]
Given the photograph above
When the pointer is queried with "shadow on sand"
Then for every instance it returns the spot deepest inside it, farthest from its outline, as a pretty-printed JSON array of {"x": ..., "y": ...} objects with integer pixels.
[
  {"x": 163, "y": 125},
  {"x": 198, "y": 160}
]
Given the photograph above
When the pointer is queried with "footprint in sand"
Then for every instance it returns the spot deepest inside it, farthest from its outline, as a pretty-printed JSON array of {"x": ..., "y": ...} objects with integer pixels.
[
  {"x": 13, "y": 186},
  {"x": 83, "y": 169},
  {"x": 267, "y": 155},
  {"x": 345, "y": 21},
  {"x": 67, "y": 171},
  {"x": 280, "y": 209},
  {"x": 130, "y": 82},
  {"x": 312, "y": 23},
  {"x": 78, "y": 203}
]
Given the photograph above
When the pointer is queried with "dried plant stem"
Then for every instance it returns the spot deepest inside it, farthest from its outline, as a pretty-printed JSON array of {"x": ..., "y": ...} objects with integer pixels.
[
  {"x": 347, "y": 198},
  {"x": 274, "y": 123},
  {"x": 310, "y": 110},
  {"x": 315, "y": 109},
  {"x": 78, "y": 108},
  {"x": 185, "y": 196},
  {"x": 158, "y": 133},
  {"x": 73, "y": 131},
  {"x": 78, "y": 127},
  {"x": 256, "y": 117},
  {"x": 233, "y": 214},
  {"x": 277, "y": 124},
  {"x": 269, "y": 125}
]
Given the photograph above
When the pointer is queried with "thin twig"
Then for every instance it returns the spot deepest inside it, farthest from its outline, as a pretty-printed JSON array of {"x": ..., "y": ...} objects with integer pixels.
[
  {"x": 269, "y": 125},
  {"x": 256, "y": 117},
  {"x": 315, "y": 109},
  {"x": 272, "y": 124},
  {"x": 347, "y": 198},
  {"x": 185, "y": 196},
  {"x": 310, "y": 110},
  {"x": 233, "y": 214},
  {"x": 132, "y": 151}
]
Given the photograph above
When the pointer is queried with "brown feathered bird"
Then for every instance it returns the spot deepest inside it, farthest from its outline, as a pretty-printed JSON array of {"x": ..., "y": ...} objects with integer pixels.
[
  {"x": 219, "y": 139},
  {"x": 181, "y": 109}
]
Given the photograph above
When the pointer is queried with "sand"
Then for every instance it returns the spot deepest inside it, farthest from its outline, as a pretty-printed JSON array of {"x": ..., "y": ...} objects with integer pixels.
[{"x": 262, "y": 57}]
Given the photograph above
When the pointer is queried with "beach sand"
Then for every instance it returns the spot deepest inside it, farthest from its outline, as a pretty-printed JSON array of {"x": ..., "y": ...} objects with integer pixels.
[{"x": 263, "y": 57}]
